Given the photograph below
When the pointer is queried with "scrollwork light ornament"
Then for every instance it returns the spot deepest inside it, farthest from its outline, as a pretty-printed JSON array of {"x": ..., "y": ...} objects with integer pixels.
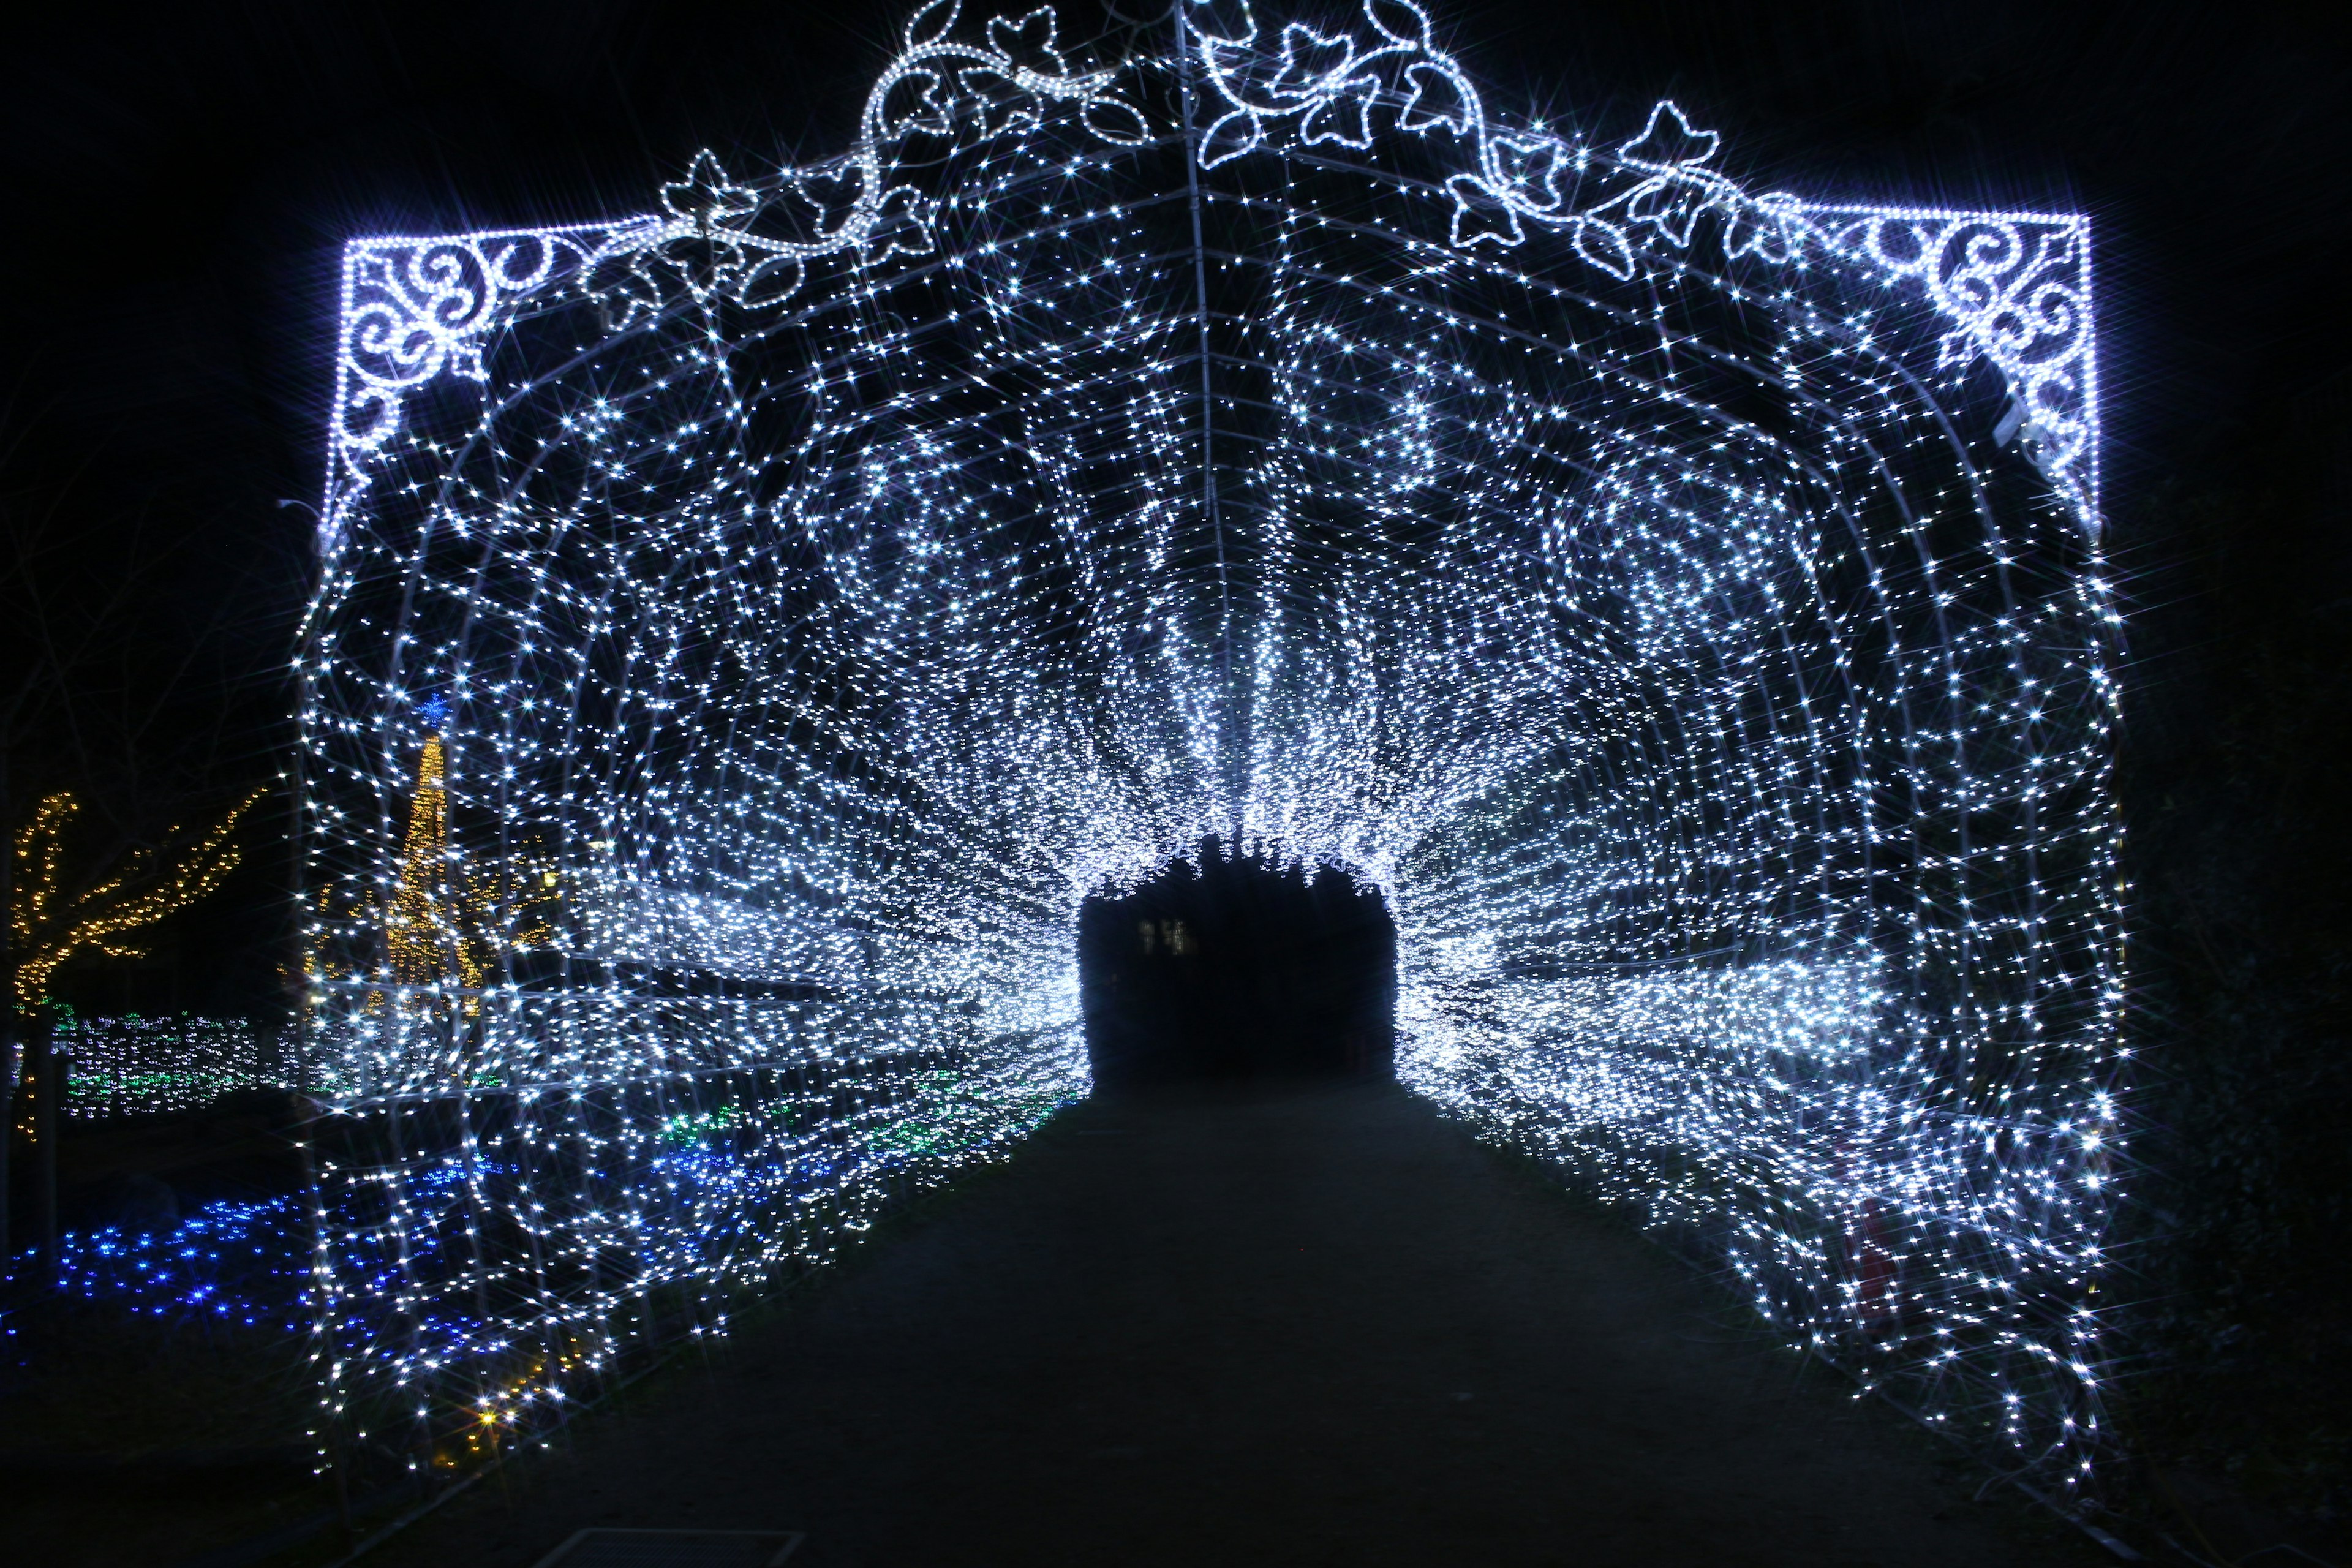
[
  {"x": 2016, "y": 287},
  {"x": 417, "y": 309}
]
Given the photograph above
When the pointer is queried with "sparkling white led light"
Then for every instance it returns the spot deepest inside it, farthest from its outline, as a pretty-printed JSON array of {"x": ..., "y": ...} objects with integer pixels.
[{"x": 1686, "y": 605}]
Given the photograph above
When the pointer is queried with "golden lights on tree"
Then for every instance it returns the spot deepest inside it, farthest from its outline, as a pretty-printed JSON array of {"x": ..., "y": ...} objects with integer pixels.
[{"x": 53, "y": 918}]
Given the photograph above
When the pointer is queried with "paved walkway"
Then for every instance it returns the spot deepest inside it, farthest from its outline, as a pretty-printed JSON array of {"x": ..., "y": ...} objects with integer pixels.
[{"x": 1312, "y": 1327}]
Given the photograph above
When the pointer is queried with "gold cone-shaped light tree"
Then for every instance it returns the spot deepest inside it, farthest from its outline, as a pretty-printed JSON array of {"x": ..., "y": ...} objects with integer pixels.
[
  {"x": 443, "y": 926},
  {"x": 425, "y": 945}
]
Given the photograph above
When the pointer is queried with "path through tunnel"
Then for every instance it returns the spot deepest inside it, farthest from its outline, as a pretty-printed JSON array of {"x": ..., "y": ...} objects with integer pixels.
[{"x": 1232, "y": 966}]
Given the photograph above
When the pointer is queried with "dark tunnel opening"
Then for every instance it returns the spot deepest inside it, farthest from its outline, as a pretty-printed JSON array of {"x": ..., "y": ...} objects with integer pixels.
[{"x": 1231, "y": 967}]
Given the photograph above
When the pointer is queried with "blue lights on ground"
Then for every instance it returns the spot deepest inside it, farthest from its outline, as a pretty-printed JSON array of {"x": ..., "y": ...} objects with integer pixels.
[
  {"x": 241, "y": 1262},
  {"x": 248, "y": 1262}
]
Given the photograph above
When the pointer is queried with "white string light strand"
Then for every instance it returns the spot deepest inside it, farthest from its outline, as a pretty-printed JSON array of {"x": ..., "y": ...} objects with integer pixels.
[{"x": 786, "y": 608}]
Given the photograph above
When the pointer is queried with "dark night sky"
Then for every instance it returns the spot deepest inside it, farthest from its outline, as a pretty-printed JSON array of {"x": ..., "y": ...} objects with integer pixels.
[{"x": 179, "y": 183}]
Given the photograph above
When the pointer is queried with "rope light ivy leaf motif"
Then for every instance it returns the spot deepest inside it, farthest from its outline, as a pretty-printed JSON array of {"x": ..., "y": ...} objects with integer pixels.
[
  {"x": 2015, "y": 287},
  {"x": 1334, "y": 89},
  {"x": 1678, "y": 188},
  {"x": 1434, "y": 100},
  {"x": 936, "y": 83},
  {"x": 1771, "y": 227},
  {"x": 1319, "y": 72},
  {"x": 417, "y": 309}
]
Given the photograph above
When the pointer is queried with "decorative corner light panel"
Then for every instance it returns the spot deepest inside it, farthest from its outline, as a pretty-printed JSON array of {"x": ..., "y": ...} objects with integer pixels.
[{"x": 749, "y": 629}]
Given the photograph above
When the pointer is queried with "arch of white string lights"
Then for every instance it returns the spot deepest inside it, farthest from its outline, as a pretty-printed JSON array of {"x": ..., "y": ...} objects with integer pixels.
[{"x": 749, "y": 630}]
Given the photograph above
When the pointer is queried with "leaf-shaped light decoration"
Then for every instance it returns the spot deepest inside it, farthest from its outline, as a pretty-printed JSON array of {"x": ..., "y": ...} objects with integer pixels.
[
  {"x": 901, "y": 225},
  {"x": 1229, "y": 138},
  {"x": 1604, "y": 245},
  {"x": 770, "y": 282},
  {"x": 1667, "y": 143},
  {"x": 1216, "y": 22},
  {"x": 1669, "y": 205},
  {"x": 1115, "y": 121},
  {"x": 1401, "y": 21},
  {"x": 1311, "y": 62},
  {"x": 1434, "y": 99},
  {"x": 1481, "y": 214},
  {"x": 932, "y": 23},
  {"x": 1770, "y": 227},
  {"x": 707, "y": 196},
  {"x": 1028, "y": 42},
  {"x": 993, "y": 101},
  {"x": 712, "y": 264},
  {"x": 1343, "y": 114},
  {"x": 622, "y": 282},
  {"x": 915, "y": 103},
  {"x": 828, "y": 196},
  {"x": 1530, "y": 167}
]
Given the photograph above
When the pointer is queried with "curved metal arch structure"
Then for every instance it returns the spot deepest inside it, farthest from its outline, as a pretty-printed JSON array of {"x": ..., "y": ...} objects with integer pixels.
[{"x": 749, "y": 631}]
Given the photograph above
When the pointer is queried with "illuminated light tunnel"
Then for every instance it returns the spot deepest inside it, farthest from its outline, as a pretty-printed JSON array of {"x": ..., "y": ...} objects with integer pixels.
[{"x": 750, "y": 632}]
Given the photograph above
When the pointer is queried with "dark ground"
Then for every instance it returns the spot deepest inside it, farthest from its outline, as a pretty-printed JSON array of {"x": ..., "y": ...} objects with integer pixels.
[{"x": 1310, "y": 1325}]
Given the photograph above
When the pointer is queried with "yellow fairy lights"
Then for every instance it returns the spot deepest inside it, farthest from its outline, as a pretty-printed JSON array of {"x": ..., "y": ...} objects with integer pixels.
[
  {"x": 53, "y": 919},
  {"x": 1686, "y": 605}
]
